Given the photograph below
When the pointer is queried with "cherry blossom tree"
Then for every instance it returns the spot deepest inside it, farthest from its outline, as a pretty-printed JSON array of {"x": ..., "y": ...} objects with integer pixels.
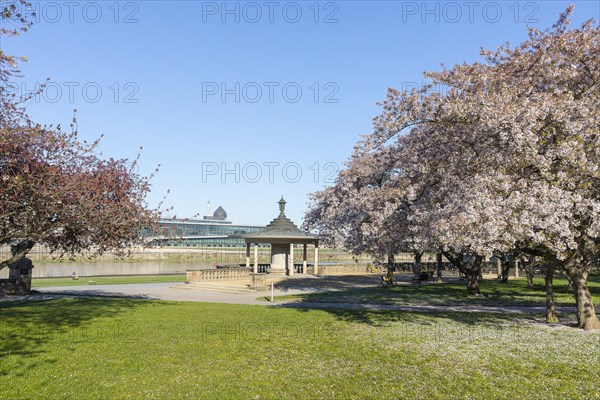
[
  {"x": 359, "y": 213},
  {"x": 506, "y": 160}
]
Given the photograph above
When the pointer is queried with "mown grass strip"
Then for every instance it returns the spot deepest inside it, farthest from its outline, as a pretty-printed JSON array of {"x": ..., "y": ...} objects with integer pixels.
[{"x": 106, "y": 280}]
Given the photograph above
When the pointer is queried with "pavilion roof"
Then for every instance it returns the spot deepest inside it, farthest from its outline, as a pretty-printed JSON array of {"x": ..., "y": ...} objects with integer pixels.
[{"x": 280, "y": 230}]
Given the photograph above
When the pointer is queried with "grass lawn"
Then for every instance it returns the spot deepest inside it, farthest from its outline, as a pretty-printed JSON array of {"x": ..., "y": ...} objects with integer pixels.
[
  {"x": 89, "y": 348},
  {"x": 494, "y": 293},
  {"x": 106, "y": 280}
]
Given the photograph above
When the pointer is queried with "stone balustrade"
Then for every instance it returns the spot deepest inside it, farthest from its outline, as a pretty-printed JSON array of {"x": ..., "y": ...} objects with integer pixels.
[
  {"x": 242, "y": 272},
  {"x": 217, "y": 274}
]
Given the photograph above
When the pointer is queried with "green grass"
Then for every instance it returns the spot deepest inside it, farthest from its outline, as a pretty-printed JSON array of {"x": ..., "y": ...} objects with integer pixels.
[
  {"x": 98, "y": 348},
  {"x": 494, "y": 293},
  {"x": 106, "y": 280},
  {"x": 137, "y": 349},
  {"x": 90, "y": 348}
]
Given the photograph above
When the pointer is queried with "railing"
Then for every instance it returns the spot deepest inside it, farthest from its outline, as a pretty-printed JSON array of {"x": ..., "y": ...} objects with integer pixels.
[
  {"x": 216, "y": 274},
  {"x": 262, "y": 268}
]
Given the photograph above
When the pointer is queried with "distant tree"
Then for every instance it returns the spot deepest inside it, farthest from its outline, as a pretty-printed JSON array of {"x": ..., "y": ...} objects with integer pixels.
[
  {"x": 56, "y": 190},
  {"x": 506, "y": 160}
]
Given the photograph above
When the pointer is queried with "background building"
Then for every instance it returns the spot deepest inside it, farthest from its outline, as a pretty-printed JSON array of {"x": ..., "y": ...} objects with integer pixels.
[{"x": 213, "y": 230}]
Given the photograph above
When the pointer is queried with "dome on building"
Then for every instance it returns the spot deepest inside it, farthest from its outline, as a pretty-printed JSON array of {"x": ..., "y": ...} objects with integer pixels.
[{"x": 220, "y": 214}]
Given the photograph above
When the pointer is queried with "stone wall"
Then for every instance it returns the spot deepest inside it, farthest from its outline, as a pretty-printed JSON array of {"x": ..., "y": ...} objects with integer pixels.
[
  {"x": 339, "y": 269},
  {"x": 19, "y": 278},
  {"x": 103, "y": 268},
  {"x": 13, "y": 287}
]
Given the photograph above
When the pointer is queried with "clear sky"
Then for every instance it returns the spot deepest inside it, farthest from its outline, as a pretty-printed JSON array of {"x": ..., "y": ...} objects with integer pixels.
[{"x": 243, "y": 102}]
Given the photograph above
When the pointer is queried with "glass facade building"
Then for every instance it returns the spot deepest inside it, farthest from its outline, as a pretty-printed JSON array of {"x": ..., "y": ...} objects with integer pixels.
[
  {"x": 214, "y": 230},
  {"x": 201, "y": 233}
]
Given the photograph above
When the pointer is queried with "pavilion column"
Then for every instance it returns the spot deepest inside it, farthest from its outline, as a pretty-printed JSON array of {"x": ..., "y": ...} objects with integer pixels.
[
  {"x": 304, "y": 259},
  {"x": 255, "y": 270},
  {"x": 248, "y": 255},
  {"x": 291, "y": 260},
  {"x": 316, "y": 265}
]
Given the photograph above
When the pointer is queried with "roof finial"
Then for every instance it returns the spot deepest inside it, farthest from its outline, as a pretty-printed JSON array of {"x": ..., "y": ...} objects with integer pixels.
[{"x": 282, "y": 204}]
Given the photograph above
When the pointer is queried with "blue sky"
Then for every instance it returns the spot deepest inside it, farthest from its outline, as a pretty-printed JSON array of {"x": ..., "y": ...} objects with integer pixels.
[{"x": 242, "y": 102}]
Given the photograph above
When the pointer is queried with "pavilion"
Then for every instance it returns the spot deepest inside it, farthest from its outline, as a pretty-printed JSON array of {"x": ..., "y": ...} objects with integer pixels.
[{"x": 282, "y": 234}]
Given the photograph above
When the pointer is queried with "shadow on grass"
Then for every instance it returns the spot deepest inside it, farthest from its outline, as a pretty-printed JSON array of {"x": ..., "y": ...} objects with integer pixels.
[
  {"x": 26, "y": 326},
  {"x": 434, "y": 321},
  {"x": 441, "y": 323},
  {"x": 514, "y": 293},
  {"x": 367, "y": 289}
]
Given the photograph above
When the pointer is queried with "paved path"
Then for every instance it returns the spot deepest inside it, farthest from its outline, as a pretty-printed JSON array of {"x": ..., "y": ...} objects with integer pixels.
[
  {"x": 156, "y": 291},
  {"x": 298, "y": 284},
  {"x": 165, "y": 291}
]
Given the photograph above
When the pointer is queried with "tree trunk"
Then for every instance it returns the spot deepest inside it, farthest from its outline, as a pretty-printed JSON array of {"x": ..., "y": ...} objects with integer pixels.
[
  {"x": 471, "y": 269},
  {"x": 505, "y": 269},
  {"x": 529, "y": 273},
  {"x": 529, "y": 268},
  {"x": 586, "y": 313},
  {"x": 570, "y": 285},
  {"x": 18, "y": 251},
  {"x": 472, "y": 282},
  {"x": 439, "y": 266},
  {"x": 391, "y": 260},
  {"x": 550, "y": 307},
  {"x": 473, "y": 273},
  {"x": 455, "y": 260},
  {"x": 418, "y": 265}
]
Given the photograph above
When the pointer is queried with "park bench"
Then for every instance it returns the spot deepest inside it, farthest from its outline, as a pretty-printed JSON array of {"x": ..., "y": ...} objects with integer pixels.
[
  {"x": 424, "y": 276},
  {"x": 92, "y": 282}
]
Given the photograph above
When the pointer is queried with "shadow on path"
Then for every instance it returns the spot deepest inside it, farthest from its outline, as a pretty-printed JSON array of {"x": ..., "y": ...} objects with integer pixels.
[
  {"x": 329, "y": 283},
  {"x": 92, "y": 293}
]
